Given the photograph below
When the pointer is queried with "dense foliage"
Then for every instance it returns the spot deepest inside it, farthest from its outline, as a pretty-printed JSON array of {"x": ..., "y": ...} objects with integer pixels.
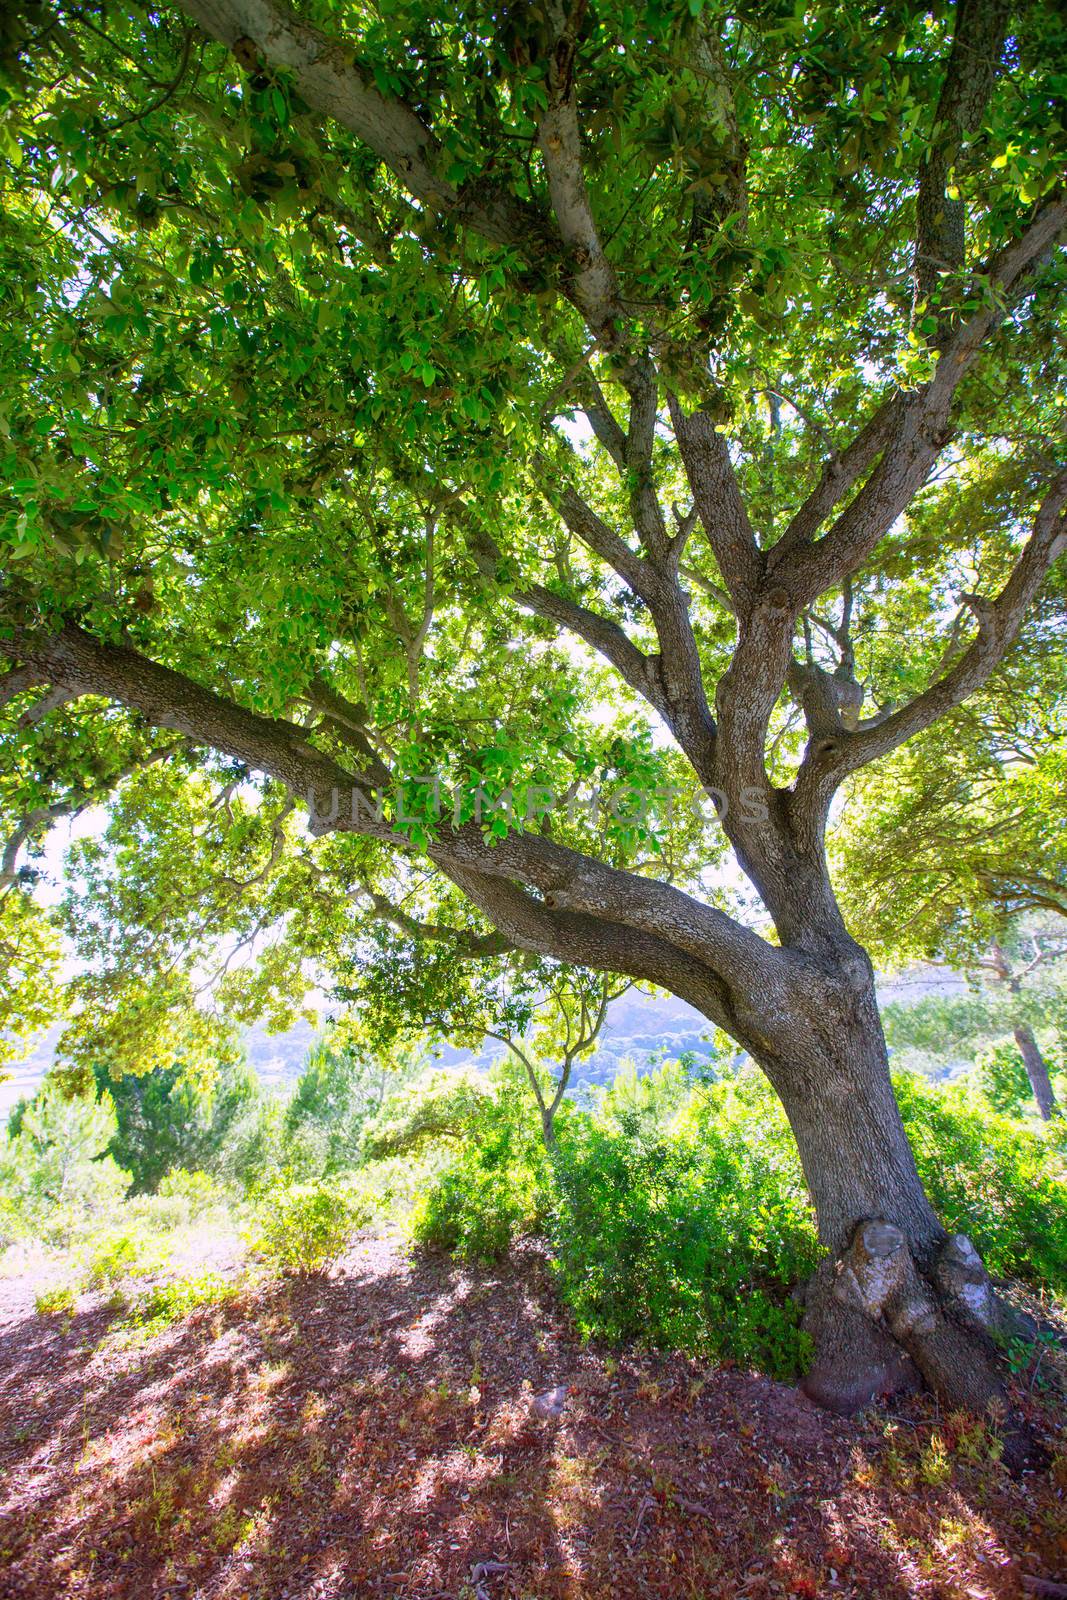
[
  {"x": 496, "y": 1187},
  {"x": 672, "y": 1205},
  {"x": 302, "y": 1229},
  {"x": 991, "y": 1179},
  {"x": 466, "y": 418},
  {"x": 676, "y": 1213},
  {"x": 679, "y": 1219}
]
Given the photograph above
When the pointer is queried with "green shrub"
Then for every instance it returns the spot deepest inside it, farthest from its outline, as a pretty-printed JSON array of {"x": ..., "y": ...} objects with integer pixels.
[
  {"x": 991, "y": 1178},
  {"x": 476, "y": 1210},
  {"x": 302, "y": 1229},
  {"x": 14, "y": 1226},
  {"x": 198, "y": 1191},
  {"x": 118, "y": 1255},
  {"x": 683, "y": 1222},
  {"x": 168, "y": 1302},
  {"x": 495, "y": 1188},
  {"x": 58, "y": 1301}
]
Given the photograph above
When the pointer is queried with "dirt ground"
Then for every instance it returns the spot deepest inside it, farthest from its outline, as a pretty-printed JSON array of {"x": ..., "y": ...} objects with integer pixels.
[{"x": 411, "y": 1430}]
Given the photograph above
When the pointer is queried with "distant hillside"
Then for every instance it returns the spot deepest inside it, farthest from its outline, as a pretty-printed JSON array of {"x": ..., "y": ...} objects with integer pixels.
[
  {"x": 638, "y": 1026},
  {"x": 276, "y": 1057}
]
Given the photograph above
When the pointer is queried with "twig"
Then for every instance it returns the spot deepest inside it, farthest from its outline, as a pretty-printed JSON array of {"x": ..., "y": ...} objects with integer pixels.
[
  {"x": 694, "y": 1507},
  {"x": 643, "y": 1509},
  {"x": 1037, "y": 1366}
]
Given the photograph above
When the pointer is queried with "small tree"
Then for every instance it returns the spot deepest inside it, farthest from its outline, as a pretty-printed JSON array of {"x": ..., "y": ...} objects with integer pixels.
[
  {"x": 997, "y": 1022},
  {"x": 341, "y": 1087},
  {"x": 568, "y": 1020},
  {"x": 158, "y": 1123},
  {"x": 55, "y": 1164}
]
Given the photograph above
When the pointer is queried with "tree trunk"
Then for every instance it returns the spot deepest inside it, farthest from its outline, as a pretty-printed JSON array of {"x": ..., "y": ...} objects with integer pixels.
[
  {"x": 1033, "y": 1060},
  {"x": 898, "y": 1302},
  {"x": 853, "y": 1148},
  {"x": 1036, "y": 1071}
]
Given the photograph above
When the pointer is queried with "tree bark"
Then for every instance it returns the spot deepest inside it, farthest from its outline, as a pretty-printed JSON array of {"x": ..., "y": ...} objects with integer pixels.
[
  {"x": 1036, "y": 1071},
  {"x": 897, "y": 1303},
  {"x": 839, "y": 1100}
]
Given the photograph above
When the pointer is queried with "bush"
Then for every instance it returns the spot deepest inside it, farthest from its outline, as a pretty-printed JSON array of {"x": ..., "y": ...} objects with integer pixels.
[
  {"x": 991, "y": 1178},
  {"x": 305, "y": 1227},
  {"x": 476, "y": 1210},
  {"x": 117, "y": 1256},
  {"x": 14, "y": 1226},
  {"x": 55, "y": 1302},
  {"x": 495, "y": 1188},
  {"x": 198, "y": 1192},
  {"x": 681, "y": 1221}
]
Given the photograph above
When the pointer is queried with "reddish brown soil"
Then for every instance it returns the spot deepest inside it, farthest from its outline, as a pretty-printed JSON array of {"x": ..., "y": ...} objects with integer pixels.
[{"x": 386, "y": 1433}]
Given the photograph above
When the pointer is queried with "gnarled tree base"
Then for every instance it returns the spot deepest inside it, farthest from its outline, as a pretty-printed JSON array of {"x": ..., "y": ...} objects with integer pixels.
[{"x": 881, "y": 1326}]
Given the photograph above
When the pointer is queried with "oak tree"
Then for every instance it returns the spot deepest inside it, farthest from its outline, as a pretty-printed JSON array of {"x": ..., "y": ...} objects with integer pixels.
[{"x": 549, "y": 397}]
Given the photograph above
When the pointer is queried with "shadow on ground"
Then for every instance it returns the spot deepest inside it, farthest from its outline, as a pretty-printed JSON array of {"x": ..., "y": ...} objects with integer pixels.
[{"x": 414, "y": 1430}]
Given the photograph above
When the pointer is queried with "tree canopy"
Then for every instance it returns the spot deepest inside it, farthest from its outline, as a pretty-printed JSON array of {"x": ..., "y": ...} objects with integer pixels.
[{"x": 390, "y": 394}]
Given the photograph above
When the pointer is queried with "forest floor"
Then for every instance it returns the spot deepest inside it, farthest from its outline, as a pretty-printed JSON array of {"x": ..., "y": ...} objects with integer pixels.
[{"x": 412, "y": 1430}]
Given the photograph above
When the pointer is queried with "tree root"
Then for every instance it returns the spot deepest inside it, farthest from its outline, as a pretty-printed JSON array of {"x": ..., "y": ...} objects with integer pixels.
[{"x": 882, "y": 1327}]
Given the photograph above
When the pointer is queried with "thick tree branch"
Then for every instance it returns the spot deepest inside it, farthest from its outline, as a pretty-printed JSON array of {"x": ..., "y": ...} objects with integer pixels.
[
  {"x": 565, "y": 878},
  {"x": 593, "y": 289},
  {"x": 332, "y": 85},
  {"x": 603, "y": 422},
  {"x": 169, "y": 699},
  {"x": 708, "y": 588},
  {"x": 56, "y": 697},
  {"x": 717, "y": 498},
  {"x": 908, "y": 433},
  {"x": 829, "y": 761},
  {"x": 839, "y": 476},
  {"x": 671, "y": 682},
  {"x": 592, "y": 942},
  {"x": 594, "y": 532},
  {"x": 969, "y": 78},
  {"x": 717, "y": 207},
  {"x": 17, "y": 681}
]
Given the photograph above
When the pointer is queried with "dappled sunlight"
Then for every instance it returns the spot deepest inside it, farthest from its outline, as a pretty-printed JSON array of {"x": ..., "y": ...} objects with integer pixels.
[{"x": 401, "y": 1423}]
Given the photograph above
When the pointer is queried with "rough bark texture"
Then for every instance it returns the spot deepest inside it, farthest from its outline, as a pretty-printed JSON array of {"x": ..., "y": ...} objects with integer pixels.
[
  {"x": 882, "y": 1326},
  {"x": 839, "y": 1099},
  {"x": 898, "y": 1303}
]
